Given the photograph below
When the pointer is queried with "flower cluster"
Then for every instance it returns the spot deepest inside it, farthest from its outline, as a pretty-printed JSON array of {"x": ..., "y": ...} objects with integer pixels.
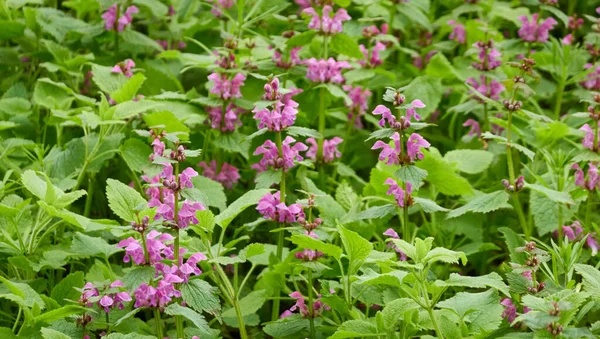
[
  {"x": 534, "y": 31},
  {"x": 226, "y": 88},
  {"x": 283, "y": 109},
  {"x": 173, "y": 45},
  {"x": 358, "y": 105},
  {"x": 326, "y": 71},
  {"x": 271, "y": 207},
  {"x": 290, "y": 152},
  {"x": 292, "y": 61},
  {"x": 330, "y": 151},
  {"x": 110, "y": 298},
  {"x": 402, "y": 197},
  {"x": 219, "y": 6},
  {"x": 112, "y": 16},
  {"x": 590, "y": 139},
  {"x": 592, "y": 181},
  {"x": 327, "y": 23},
  {"x": 488, "y": 56},
  {"x": 475, "y": 127},
  {"x": 404, "y": 123},
  {"x": 489, "y": 88},
  {"x": 392, "y": 234},
  {"x": 228, "y": 175},
  {"x": 372, "y": 57},
  {"x": 301, "y": 308},
  {"x": 124, "y": 68},
  {"x": 459, "y": 33},
  {"x": 225, "y": 119},
  {"x": 574, "y": 232},
  {"x": 393, "y": 155}
]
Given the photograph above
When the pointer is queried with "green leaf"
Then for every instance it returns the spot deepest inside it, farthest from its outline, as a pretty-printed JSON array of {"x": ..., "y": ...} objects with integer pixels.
[
  {"x": 301, "y": 39},
  {"x": 48, "y": 333},
  {"x": 298, "y": 131},
  {"x": 502, "y": 140},
  {"x": 482, "y": 311},
  {"x": 556, "y": 196},
  {"x": 86, "y": 246},
  {"x": 59, "y": 313},
  {"x": 429, "y": 206},
  {"x": 268, "y": 178},
  {"x": 34, "y": 184},
  {"x": 557, "y": 12},
  {"x": 106, "y": 80},
  {"x": 307, "y": 242},
  {"x": 470, "y": 161},
  {"x": 123, "y": 200},
  {"x": 201, "y": 296},
  {"x": 445, "y": 255},
  {"x": 355, "y": 329},
  {"x": 439, "y": 66},
  {"x": 170, "y": 123},
  {"x": 157, "y": 8},
  {"x": 591, "y": 278},
  {"x": 15, "y": 106},
  {"x": 343, "y": 44},
  {"x": 412, "y": 174},
  {"x": 394, "y": 311},
  {"x": 287, "y": 327},
  {"x": 129, "y": 336},
  {"x": 52, "y": 95},
  {"x": 21, "y": 294},
  {"x": 513, "y": 240},
  {"x": 11, "y": 30},
  {"x": 128, "y": 90},
  {"x": 356, "y": 247},
  {"x": 493, "y": 280},
  {"x": 233, "y": 142},
  {"x": 129, "y": 109},
  {"x": 248, "y": 199},
  {"x": 137, "y": 275},
  {"x": 441, "y": 175},
  {"x": 140, "y": 40},
  {"x": 484, "y": 203},
  {"x": 66, "y": 289},
  {"x": 213, "y": 190},
  {"x": 135, "y": 153},
  {"x": 428, "y": 89},
  {"x": 196, "y": 318},
  {"x": 248, "y": 304},
  {"x": 393, "y": 278},
  {"x": 377, "y": 212}
]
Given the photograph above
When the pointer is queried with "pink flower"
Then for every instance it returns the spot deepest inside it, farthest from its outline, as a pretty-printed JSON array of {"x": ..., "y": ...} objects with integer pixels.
[
  {"x": 489, "y": 57},
  {"x": 475, "y": 128},
  {"x": 226, "y": 88},
  {"x": 292, "y": 61},
  {"x": 326, "y": 70},
  {"x": 592, "y": 243},
  {"x": 219, "y": 6},
  {"x": 373, "y": 58},
  {"x": 527, "y": 274},
  {"x": 88, "y": 291},
  {"x": 413, "y": 146},
  {"x": 392, "y": 234},
  {"x": 399, "y": 194},
  {"x": 489, "y": 88},
  {"x": 271, "y": 207},
  {"x": 290, "y": 152},
  {"x": 533, "y": 31},
  {"x": 592, "y": 80},
  {"x": 327, "y": 23},
  {"x": 592, "y": 181},
  {"x": 418, "y": 61},
  {"x": 510, "y": 310},
  {"x": 588, "y": 139},
  {"x": 283, "y": 111},
  {"x": 371, "y": 31},
  {"x": 124, "y": 68},
  {"x": 308, "y": 255},
  {"x": 228, "y": 176},
  {"x": 458, "y": 32},
  {"x": 391, "y": 155},
  {"x": 386, "y": 115},
  {"x": 568, "y": 39},
  {"x": 574, "y": 232},
  {"x": 155, "y": 243},
  {"x": 330, "y": 151},
  {"x": 111, "y": 17},
  {"x": 411, "y": 111},
  {"x": 232, "y": 117},
  {"x": 185, "y": 178},
  {"x": 359, "y": 103}
]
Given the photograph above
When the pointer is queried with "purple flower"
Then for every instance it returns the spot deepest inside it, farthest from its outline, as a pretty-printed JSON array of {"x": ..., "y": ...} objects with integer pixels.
[
  {"x": 413, "y": 146},
  {"x": 391, "y": 155},
  {"x": 488, "y": 88},
  {"x": 588, "y": 139},
  {"x": 392, "y": 234},
  {"x": 401, "y": 196},
  {"x": 475, "y": 128},
  {"x": 418, "y": 60},
  {"x": 185, "y": 178},
  {"x": 111, "y": 17},
  {"x": 283, "y": 112},
  {"x": 574, "y": 232},
  {"x": 308, "y": 255},
  {"x": 232, "y": 117},
  {"x": 271, "y": 207},
  {"x": 293, "y": 60},
  {"x": 592, "y": 243},
  {"x": 290, "y": 150},
  {"x": 510, "y": 310},
  {"x": 371, "y": 31},
  {"x": 527, "y": 274},
  {"x": 302, "y": 308},
  {"x": 327, "y": 23},
  {"x": 458, "y": 32},
  {"x": 592, "y": 181},
  {"x": 228, "y": 176},
  {"x": 88, "y": 291},
  {"x": 372, "y": 58},
  {"x": 124, "y": 68},
  {"x": 359, "y": 103},
  {"x": 329, "y": 70},
  {"x": 226, "y": 88},
  {"x": 568, "y": 39},
  {"x": 386, "y": 115},
  {"x": 155, "y": 243},
  {"x": 592, "y": 80},
  {"x": 411, "y": 111},
  {"x": 489, "y": 57},
  {"x": 533, "y": 31},
  {"x": 330, "y": 151},
  {"x": 219, "y": 6}
]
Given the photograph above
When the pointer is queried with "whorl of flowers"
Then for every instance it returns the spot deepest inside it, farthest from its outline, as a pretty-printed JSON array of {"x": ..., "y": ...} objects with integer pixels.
[
  {"x": 281, "y": 113},
  {"x": 114, "y": 19},
  {"x": 271, "y": 207},
  {"x": 534, "y": 31},
  {"x": 327, "y": 22},
  {"x": 271, "y": 158}
]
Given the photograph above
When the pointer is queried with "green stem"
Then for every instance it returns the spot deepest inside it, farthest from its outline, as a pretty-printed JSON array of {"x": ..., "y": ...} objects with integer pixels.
[
  {"x": 435, "y": 324},
  {"x": 559, "y": 97},
  {"x": 406, "y": 232},
  {"x": 14, "y": 328},
  {"x": 281, "y": 235},
  {"x": 588, "y": 209},
  {"x": 107, "y": 324},
  {"x": 486, "y": 119},
  {"x": 321, "y": 140},
  {"x": 595, "y": 148},
  {"x": 178, "y": 318},
  {"x": 512, "y": 178},
  {"x": 240, "y": 317},
  {"x": 157, "y": 320},
  {"x": 88, "y": 198},
  {"x": 311, "y": 315},
  {"x": 146, "y": 255}
]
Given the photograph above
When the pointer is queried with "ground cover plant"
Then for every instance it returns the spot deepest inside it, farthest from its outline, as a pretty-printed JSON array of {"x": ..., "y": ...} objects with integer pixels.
[{"x": 307, "y": 169}]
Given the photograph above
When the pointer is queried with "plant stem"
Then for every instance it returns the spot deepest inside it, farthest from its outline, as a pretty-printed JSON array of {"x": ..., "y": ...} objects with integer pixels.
[
  {"x": 14, "y": 328},
  {"x": 107, "y": 324},
  {"x": 178, "y": 319},
  {"x": 310, "y": 304},
  {"x": 559, "y": 97},
  {"x": 321, "y": 140},
  {"x": 159, "y": 330},
  {"x": 588, "y": 209},
  {"x": 281, "y": 234},
  {"x": 406, "y": 232},
  {"x": 88, "y": 198},
  {"x": 512, "y": 178},
  {"x": 435, "y": 324},
  {"x": 240, "y": 317},
  {"x": 486, "y": 119}
]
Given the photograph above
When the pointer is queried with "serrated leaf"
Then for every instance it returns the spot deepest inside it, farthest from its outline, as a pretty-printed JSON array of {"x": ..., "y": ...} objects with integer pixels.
[
  {"x": 470, "y": 161},
  {"x": 123, "y": 200},
  {"x": 412, "y": 174},
  {"x": 377, "y": 212},
  {"x": 137, "y": 275},
  {"x": 355, "y": 329},
  {"x": 129, "y": 89},
  {"x": 248, "y": 199},
  {"x": 493, "y": 280},
  {"x": 303, "y": 132},
  {"x": 441, "y": 175},
  {"x": 307, "y": 242},
  {"x": 86, "y": 246},
  {"x": 213, "y": 190},
  {"x": 445, "y": 255},
  {"x": 288, "y": 326},
  {"x": 356, "y": 247},
  {"x": 483, "y": 204},
  {"x": 195, "y": 318},
  {"x": 170, "y": 123},
  {"x": 48, "y": 333},
  {"x": 343, "y": 44},
  {"x": 301, "y": 39},
  {"x": 201, "y": 296},
  {"x": 268, "y": 178},
  {"x": 556, "y": 196},
  {"x": 591, "y": 278},
  {"x": 429, "y": 206},
  {"x": 249, "y": 304},
  {"x": 394, "y": 311},
  {"x": 66, "y": 289}
]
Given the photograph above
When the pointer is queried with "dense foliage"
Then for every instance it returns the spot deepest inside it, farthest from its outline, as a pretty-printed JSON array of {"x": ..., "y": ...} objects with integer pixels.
[{"x": 308, "y": 169}]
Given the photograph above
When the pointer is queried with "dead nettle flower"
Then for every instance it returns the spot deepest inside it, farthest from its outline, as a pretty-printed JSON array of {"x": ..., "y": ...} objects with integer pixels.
[
  {"x": 173, "y": 45},
  {"x": 489, "y": 88},
  {"x": 459, "y": 33},
  {"x": 392, "y": 234},
  {"x": 372, "y": 57},
  {"x": 302, "y": 308},
  {"x": 326, "y": 23},
  {"x": 358, "y": 105},
  {"x": 402, "y": 196},
  {"x": 373, "y": 31},
  {"x": 555, "y": 329},
  {"x": 534, "y": 31},
  {"x": 488, "y": 56},
  {"x": 111, "y": 296},
  {"x": 228, "y": 175},
  {"x": 330, "y": 150},
  {"x": 142, "y": 225},
  {"x": 592, "y": 80},
  {"x": 394, "y": 155},
  {"x": 568, "y": 39},
  {"x": 114, "y": 19},
  {"x": 590, "y": 140},
  {"x": 420, "y": 62},
  {"x": 282, "y": 109},
  {"x": 575, "y": 232},
  {"x": 326, "y": 71},
  {"x": 516, "y": 186},
  {"x": 475, "y": 127},
  {"x": 124, "y": 67},
  {"x": 271, "y": 207},
  {"x": 592, "y": 182},
  {"x": 289, "y": 61},
  {"x": 575, "y": 23},
  {"x": 219, "y": 6},
  {"x": 271, "y": 158}
]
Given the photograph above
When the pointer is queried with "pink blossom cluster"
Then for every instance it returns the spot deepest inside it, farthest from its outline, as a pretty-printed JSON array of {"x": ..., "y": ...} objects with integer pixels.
[
  {"x": 290, "y": 62},
  {"x": 111, "y": 17},
  {"x": 592, "y": 80},
  {"x": 112, "y": 296},
  {"x": 459, "y": 33},
  {"x": 372, "y": 31},
  {"x": 489, "y": 57},
  {"x": 592, "y": 181},
  {"x": 574, "y": 232},
  {"x": 327, "y": 23},
  {"x": 475, "y": 128},
  {"x": 227, "y": 88},
  {"x": 290, "y": 152},
  {"x": 228, "y": 175},
  {"x": 173, "y": 45},
  {"x": 326, "y": 71},
  {"x": 159, "y": 296},
  {"x": 282, "y": 112},
  {"x": 392, "y": 155},
  {"x": 534, "y": 31},
  {"x": 225, "y": 119},
  {"x": 124, "y": 68},
  {"x": 271, "y": 207},
  {"x": 220, "y": 5},
  {"x": 372, "y": 57},
  {"x": 487, "y": 87},
  {"x": 392, "y": 234},
  {"x": 358, "y": 105},
  {"x": 420, "y": 62},
  {"x": 302, "y": 308},
  {"x": 156, "y": 246},
  {"x": 588, "y": 139},
  {"x": 387, "y": 116},
  {"x": 330, "y": 150},
  {"x": 402, "y": 197}
]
